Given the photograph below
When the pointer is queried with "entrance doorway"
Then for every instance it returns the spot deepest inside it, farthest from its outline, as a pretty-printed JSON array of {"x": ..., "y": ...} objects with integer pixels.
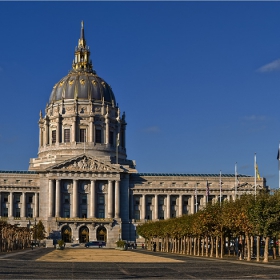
[
  {"x": 83, "y": 234},
  {"x": 66, "y": 234},
  {"x": 101, "y": 234}
]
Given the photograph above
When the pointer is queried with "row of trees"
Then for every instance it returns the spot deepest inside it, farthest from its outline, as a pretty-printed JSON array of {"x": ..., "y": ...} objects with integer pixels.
[
  {"x": 250, "y": 220},
  {"x": 13, "y": 237}
]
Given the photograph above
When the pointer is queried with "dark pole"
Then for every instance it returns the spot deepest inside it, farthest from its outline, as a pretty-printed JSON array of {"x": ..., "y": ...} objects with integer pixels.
[{"x": 35, "y": 233}]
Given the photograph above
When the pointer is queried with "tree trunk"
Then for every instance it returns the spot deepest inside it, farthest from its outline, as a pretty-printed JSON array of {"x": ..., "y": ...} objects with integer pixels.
[
  {"x": 202, "y": 249},
  {"x": 258, "y": 248},
  {"x": 274, "y": 248},
  {"x": 207, "y": 245},
  {"x": 248, "y": 246},
  {"x": 198, "y": 246},
  {"x": 252, "y": 245},
  {"x": 212, "y": 247},
  {"x": 265, "y": 255},
  {"x": 194, "y": 246},
  {"x": 217, "y": 246},
  {"x": 222, "y": 245}
]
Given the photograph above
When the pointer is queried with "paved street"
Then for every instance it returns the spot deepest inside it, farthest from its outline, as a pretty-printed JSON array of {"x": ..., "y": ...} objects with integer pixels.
[{"x": 112, "y": 264}]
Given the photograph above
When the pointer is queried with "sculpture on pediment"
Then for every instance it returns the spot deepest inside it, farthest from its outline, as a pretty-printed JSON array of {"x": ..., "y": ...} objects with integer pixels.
[{"x": 87, "y": 164}]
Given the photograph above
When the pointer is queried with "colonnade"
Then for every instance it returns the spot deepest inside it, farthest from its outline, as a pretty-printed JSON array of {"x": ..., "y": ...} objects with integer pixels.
[
  {"x": 194, "y": 203},
  {"x": 113, "y": 199},
  {"x": 22, "y": 204},
  {"x": 70, "y": 122}
]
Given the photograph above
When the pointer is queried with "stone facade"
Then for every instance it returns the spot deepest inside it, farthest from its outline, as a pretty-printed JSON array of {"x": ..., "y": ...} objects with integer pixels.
[{"x": 82, "y": 186}]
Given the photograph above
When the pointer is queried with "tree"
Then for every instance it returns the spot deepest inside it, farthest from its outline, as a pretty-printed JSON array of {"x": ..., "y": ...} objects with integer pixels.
[{"x": 39, "y": 231}]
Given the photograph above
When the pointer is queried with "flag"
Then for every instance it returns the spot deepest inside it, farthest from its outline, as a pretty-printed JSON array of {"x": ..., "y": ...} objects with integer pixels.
[
  {"x": 207, "y": 189},
  {"x": 257, "y": 172}
]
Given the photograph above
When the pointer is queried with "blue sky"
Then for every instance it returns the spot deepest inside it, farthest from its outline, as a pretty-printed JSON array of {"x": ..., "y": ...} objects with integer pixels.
[{"x": 199, "y": 81}]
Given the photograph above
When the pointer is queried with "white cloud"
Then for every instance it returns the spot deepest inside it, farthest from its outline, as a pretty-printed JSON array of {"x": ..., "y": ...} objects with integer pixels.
[
  {"x": 254, "y": 118},
  {"x": 272, "y": 66},
  {"x": 152, "y": 129}
]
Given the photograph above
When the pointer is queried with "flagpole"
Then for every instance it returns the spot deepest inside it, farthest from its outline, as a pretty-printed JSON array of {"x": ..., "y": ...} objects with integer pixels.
[
  {"x": 235, "y": 187},
  {"x": 255, "y": 164},
  {"x": 278, "y": 157},
  {"x": 195, "y": 198},
  {"x": 117, "y": 148},
  {"x": 207, "y": 192},
  {"x": 220, "y": 187}
]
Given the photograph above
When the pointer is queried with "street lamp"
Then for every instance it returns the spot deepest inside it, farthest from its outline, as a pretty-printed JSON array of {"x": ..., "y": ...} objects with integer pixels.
[{"x": 35, "y": 231}]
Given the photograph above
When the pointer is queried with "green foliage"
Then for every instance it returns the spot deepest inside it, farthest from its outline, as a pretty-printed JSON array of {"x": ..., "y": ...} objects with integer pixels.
[
  {"x": 60, "y": 243},
  {"x": 120, "y": 243},
  {"x": 39, "y": 231}
]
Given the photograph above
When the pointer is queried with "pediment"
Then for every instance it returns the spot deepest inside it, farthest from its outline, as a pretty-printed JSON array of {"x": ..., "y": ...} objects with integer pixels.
[{"x": 86, "y": 163}]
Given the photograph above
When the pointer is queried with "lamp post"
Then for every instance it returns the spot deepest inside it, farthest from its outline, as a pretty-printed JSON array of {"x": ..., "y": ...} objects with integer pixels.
[{"x": 35, "y": 231}]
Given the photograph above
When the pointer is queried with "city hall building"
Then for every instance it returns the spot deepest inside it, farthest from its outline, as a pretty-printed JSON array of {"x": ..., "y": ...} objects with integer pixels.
[{"x": 82, "y": 186}]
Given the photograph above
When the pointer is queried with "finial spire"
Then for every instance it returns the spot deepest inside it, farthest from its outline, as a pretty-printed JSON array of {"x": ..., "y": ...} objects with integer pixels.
[
  {"x": 82, "y": 60},
  {"x": 82, "y": 40}
]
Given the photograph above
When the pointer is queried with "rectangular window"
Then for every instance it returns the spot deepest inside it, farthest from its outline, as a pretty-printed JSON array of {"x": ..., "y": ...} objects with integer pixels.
[
  {"x": 161, "y": 215},
  {"x": 17, "y": 214},
  {"x": 30, "y": 199},
  {"x": 149, "y": 215},
  {"x": 66, "y": 198},
  {"x": 111, "y": 138},
  {"x": 5, "y": 198},
  {"x": 5, "y": 212},
  {"x": 30, "y": 213},
  {"x": 17, "y": 198},
  {"x": 101, "y": 199},
  {"x": 84, "y": 199},
  {"x": 66, "y": 213},
  {"x": 66, "y": 135},
  {"x": 82, "y": 135},
  {"x": 137, "y": 215},
  {"x": 53, "y": 136},
  {"x": 98, "y": 136},
  {"x": 101, "y": 212},
  {"x": 84, "y": 213}
]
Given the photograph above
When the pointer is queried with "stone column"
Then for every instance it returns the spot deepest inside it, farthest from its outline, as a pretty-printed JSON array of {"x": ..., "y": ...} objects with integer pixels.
[
  {"x": 192, "y": 204},
  {"x": 73, "y": 138},
  {"x": 107, "y": 129},
  {"x": 156, "y": 207},
  {"x": 36, "y": 206},
  {"x": 143, "y": 212},
  {"x": 92, "y": 198},
  {"x": 11, "y": 205},
  {"x": 168, "y": 206},
  {"x": 117, "y": 199},
  {"x": 90, "y": 139},
  {"x": 110, "y": 200},
  {"x": 51, "y": 197},
  {"x": 46, "y": 140},
  {"x": 57, "y": 130},
  {"x": 180, "y": 212},
  {"x": 57, "y": 198},
  {"x": 23, "y": 205},
  {"x": 75, "y": 199}
]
